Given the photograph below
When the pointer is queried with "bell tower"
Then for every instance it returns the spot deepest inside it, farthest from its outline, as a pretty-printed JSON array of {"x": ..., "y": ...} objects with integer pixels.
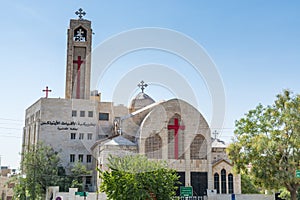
[{"x": 79, "y": 47}]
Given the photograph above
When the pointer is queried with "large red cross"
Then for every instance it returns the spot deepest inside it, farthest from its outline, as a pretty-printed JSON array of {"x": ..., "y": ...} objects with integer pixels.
[
  {"x": 47, "y": 91},
  {"x": 176, "y": 127},
  {"x": 78, "y": 62}
]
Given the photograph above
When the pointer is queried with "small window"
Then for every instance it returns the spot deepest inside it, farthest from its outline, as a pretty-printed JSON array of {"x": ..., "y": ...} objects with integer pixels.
[
  {"x": 72, "y": 157},
  {"x": 104, "y": 116},
  {"x": 81, "y": 136},
  {"x": 82, "y": 113},
  {"x": 73, "y": 136},
  {"x": 88, "y": 180},
  {"x": 80, "y": 158},
  {"x": 88, "y": 158},
  {"x": 90, "y": 114},
  {"x": 74, "y": 113},
  {"x": 89, "y": 136}
]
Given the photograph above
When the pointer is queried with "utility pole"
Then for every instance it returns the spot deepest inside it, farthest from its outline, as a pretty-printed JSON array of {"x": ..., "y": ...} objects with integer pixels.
[{"x": 0, "y": 166}]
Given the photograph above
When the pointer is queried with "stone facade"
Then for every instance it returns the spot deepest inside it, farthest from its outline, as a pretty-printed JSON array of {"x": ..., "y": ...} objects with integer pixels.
[
  {"x": 198, "y": 157},
  {"x": 6, "y": 184},
  {"x": 79, "y": 49},
  {"x": 70, "y": 126}
]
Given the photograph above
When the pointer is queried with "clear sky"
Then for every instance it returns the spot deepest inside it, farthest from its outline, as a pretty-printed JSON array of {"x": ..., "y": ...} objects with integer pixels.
[{"x": 255, "y": 46}]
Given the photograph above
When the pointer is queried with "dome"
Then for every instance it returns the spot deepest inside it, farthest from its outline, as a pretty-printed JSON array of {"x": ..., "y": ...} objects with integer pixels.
[{"x": 140, "y": 101}]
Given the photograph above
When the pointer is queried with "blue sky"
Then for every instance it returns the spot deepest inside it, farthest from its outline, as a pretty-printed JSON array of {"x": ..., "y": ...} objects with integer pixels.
[{"x": 255, "y": 46}]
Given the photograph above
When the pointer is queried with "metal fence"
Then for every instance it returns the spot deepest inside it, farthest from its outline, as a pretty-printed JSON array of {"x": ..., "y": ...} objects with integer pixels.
[{"x": 189, "y": 198}]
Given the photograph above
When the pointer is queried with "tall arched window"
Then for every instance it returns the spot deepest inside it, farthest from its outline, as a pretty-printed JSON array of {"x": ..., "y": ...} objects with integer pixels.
[
  {"x": 153, "y": 146},
  {"x": 230, "y": 184},
  {"x": 176, "y": 138},
  {"x": 198, "y": 147},
  {"x": 223, "y": 181},
  {"x": 217, "y": 182}
]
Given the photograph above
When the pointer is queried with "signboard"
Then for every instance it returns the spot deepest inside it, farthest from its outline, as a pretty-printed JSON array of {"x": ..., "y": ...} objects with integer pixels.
[
  {"x": 298, "y": 173},
  {"x": 186, "y": 191},
  {"x": 82, "y": 194}
]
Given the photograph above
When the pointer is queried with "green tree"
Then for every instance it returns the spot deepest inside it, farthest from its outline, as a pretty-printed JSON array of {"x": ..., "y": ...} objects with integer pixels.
[
  {"x": 19, "y": 187},
  {"x": 137, "y": 178},
  {"x": 268, "y": 138},
  {"x": 247, "y": 185},
  {"x": 76, "y": 177},
  {"x": 41, "y": 166}
]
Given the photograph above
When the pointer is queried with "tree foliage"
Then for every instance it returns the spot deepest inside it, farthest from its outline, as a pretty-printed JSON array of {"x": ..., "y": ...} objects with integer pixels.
[
  {"x": 76, "y": 177},
  {"x": 41, "y": 166},
  {"x": 247, "y": 185},
  {"x": 268, "y": 138},
  {"x": 137, "y": 178}
]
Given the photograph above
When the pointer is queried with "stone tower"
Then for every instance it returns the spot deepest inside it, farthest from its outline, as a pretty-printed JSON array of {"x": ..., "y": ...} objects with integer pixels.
[{"x": 79, "y": 58}]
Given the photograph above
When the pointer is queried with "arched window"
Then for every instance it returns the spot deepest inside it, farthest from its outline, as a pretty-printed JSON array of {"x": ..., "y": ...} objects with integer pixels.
[
  {"x": 153, "y": 146},
  {"x": 198, "y": 148},
  {"x": 217, "y": 182},
  {"x": 79, "y": 34},
  {"x": 176, "y": 138},
  {"x": 230, "y": 184},
  {"x": 223, "y": 181}
]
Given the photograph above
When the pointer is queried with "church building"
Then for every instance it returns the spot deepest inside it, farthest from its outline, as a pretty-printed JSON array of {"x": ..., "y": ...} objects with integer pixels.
[{"x": 84, "y": 129}]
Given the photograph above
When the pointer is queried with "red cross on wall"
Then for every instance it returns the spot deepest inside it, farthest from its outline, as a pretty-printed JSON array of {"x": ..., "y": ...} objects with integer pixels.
[
  {"x": 78, "y": 62},
  {"x": 176, "y": 127},
  {"x": 47, "y": 91}
]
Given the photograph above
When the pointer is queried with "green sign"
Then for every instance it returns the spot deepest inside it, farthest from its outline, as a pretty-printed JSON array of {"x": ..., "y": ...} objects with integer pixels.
[
  {"x": 186, "y": 191},
  {"x": 298, "y": 173},
  {"x": 82, "y": 194}
]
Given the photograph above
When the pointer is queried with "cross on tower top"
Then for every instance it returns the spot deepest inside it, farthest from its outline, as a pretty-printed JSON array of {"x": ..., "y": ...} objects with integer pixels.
[
  {"x": 142, "y": 85},
  {"x": 80, "y": 13},
  {"x": 47, "y": 91}
]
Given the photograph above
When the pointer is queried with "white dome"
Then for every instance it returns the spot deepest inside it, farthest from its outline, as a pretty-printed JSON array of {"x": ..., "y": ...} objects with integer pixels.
[{"x": 140, "y": 101}]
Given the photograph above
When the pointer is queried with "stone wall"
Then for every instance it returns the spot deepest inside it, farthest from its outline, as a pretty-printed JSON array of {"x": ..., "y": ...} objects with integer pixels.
[
  {"x": 241, "y": 197},
  {"x": 53, "y": 193}
]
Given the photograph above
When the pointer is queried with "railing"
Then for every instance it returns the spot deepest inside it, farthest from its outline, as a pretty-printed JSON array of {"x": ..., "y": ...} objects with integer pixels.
[{"x": 189, "y": 198}]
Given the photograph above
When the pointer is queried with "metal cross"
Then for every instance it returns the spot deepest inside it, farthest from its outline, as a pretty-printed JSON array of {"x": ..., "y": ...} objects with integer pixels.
[
  {"x": 80, "y": 13},
  {"x": 47, "y": 91},
  {"x": 216, "y": 134},
  {"x": 142, "y": 86}
]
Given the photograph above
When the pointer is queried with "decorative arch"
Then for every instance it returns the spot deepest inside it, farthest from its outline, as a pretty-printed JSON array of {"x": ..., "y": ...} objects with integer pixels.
[
  {"x": 198, "y": 148},
  {"x": 176, "y": 137},
  {"x": 153, "y": 145},
  {"x": 80, "y": 34},
  {"x": 230, "y": 184},
  {"x": 217, "y": 182},
  {"x": 223, "y": 181}
]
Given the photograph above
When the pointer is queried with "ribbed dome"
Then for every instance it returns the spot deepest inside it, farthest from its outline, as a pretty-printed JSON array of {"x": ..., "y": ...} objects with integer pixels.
[{"x": 141, "y": 100}]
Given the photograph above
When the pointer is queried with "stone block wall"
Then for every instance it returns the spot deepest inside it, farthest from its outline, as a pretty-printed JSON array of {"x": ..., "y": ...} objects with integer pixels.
[{"x": 241, "y": 197}]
